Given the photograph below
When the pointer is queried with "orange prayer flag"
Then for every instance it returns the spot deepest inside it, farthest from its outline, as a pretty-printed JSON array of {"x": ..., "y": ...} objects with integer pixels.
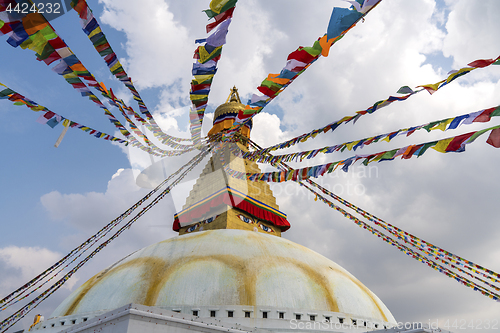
[
  {"x": 78, "y": 67},
  {"x": 33, "y": 23}
]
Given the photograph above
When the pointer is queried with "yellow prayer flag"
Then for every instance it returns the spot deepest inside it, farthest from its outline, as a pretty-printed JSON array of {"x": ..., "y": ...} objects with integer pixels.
[
  {"x": 346, "y": 118},
  {"x": 442, "y": 145},
  {"x": 71, "y": 75},
  {"x": 38, "y": 43},
  {"x": 216, "y": 5},
  {"x": 95, "y": 32},
  {"x": 197, "y": 97},
  {"x": 199, "y": 79},
  {"x": 38, "y": 108},
  {"x": 204, "y": 55},
  {"x": 442, "y": 125},
  {"x": 115, "y": 66},
  {"x": 460, "y": 71},
  {"x": 434, "y": 87},
  {"x": 351, "y": 144}
]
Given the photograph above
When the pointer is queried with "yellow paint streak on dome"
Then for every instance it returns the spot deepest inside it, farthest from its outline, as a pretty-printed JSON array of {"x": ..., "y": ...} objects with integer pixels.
[{"x": 155, "y": 272}]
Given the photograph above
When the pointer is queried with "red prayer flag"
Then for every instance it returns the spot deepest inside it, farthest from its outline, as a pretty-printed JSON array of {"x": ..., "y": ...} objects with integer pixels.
[
  {"x": 78, "y": 85},
  {"x": 301, "y": 55},
  {"x": 57, "y": 43},
  {"x": 411, "y": 132},
  {"x": 102, "y": 47},
  {"x": 51, "y": 58},
  {"x": 196, "y": 87},
  {"x": 482, "y": 63},
  {"x": 266, "y": 91},
  {"x": 49, "y": 114},
  {"x": 484, "y": 116},
  {"x": 494, "y": 138},
  {"x": 367, "y": 142},
  {"x": 220, "y": 18},
  {"x": 408, "y": 155},
  {"x": 81, "y": 9},
  {"x": 5, "y": 29},
  {"x": 456, "y": 143}
]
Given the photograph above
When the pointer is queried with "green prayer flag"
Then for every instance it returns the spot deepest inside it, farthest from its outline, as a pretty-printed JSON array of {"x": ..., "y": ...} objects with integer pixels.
[
  {"x": 101, "y": 41},
  {"x": 210, "y": 13},
  {"x": 425, "y": 147},
  {"x": 388, "y": 155},
  {"x": 7, "y": 92},
  {"x": 73, "y": 80},
  {"x": 496, "y": 113},
  {"x": 431, "y": 125},
  {"x": 405, "y": 90},
  {"x": 230, "y": 4},
  {"x": 270, "y": 85},
  {"x": 48, "y": 33},
  {"x": 47, "y": 51}
]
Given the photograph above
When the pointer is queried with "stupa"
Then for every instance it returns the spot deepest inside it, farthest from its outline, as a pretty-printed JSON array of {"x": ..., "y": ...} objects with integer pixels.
[{"x": 229, "y": 269}]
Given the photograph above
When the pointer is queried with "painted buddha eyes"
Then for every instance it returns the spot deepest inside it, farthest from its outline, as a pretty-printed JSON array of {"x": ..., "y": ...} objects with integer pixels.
[
  {"x": 246, "y": 219},
  {"x": 193, "y": 227},
  {"x": 265, "y": 228},
  {"x": 209, "y": 220},
  {"x": 249, "y": 220}
]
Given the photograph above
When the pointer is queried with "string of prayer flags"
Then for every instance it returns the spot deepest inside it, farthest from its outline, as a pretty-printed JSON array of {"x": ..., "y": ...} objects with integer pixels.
[
  {"x": 263, "y": 156},
  {"x": 452, "y": 144},
  {"x": 481, "y": 63},
  {"x": 413, "y": 240},
  {"x": 25, "y": 28},
  {"x": 342, "y": 20},
  {"x": 428, "y": 249},
  {"x": 95, "y": 34},
  {"x": 17, "y": 295},
  {"x": 205, "y": 65},
  {"x": 415, "y": 255},
  {"x": 73, "y": 71},
  {"x": 14, "y": 318},
  {"x": 402, "y": 236},
  {"x": 51, "y": 118},
  {"x": 125, "y": 111}
]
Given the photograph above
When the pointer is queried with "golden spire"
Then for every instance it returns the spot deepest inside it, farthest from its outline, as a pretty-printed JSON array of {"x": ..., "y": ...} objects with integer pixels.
[
  {"x": 225, "y": 114},
  {"x": 219, "y": 201},
  {"x": 234, "y": 96}
]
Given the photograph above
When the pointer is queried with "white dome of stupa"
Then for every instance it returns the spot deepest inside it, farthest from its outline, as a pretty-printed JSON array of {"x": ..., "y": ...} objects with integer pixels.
[{"x": 228, "y": 268}]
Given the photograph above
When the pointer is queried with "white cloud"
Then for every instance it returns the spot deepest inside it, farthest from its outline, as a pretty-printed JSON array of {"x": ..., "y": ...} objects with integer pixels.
[
  {"x": 22, "y": 264},
  {"x": 157, "y": 55},
  {"x": 473, "y": 31}
]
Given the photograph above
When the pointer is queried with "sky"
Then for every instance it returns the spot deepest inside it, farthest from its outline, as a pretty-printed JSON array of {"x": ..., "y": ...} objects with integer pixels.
[{"x": 52, "y": 199}]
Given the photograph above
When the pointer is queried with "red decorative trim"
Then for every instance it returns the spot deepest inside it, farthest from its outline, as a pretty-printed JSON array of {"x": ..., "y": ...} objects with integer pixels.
[{"x": 227, "y": 198}]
